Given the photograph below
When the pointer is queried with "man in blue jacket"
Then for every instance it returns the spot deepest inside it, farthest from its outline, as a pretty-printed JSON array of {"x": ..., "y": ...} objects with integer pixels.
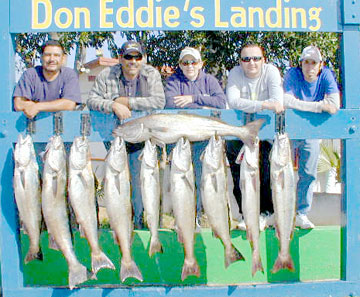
[{"x": 191, "y": 88}]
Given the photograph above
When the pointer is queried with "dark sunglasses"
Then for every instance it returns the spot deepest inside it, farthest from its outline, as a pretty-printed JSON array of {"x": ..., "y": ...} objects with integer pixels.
[
  {"x": 248, "y": 59},
  {"x": 189, "y": 62},
  {"x": 130, "y": 57}
]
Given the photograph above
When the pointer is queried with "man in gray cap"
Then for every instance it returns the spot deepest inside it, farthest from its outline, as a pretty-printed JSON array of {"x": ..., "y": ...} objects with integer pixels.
[
  {"x": 130, "y": 85},
  {"x": 309, "y": 87}
]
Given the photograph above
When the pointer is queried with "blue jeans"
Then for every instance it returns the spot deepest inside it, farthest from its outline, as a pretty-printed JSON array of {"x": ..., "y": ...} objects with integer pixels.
[
  {"x": 309, "y": 150},
  {"x": 197, "y": 148}
]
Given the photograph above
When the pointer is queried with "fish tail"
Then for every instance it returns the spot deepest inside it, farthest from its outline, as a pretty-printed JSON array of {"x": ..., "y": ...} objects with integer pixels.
[
  {"x": 256, "y": 264},
  {"x": 252, "y": 131},
  {"x": 190, "y": 268},
  {"x": 77, "y": 275},
  {"x": 100, "y": 261},
  {"x": 232, "y": 256},
  {"x": 34, "y": 254},
  {"x": 283, "y": 262},
  {"x": 155, "y": 246},
  {"x": 131, "y": 270}
]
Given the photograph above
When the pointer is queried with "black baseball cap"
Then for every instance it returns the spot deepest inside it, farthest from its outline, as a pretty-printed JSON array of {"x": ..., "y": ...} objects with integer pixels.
[{"x": 130, "y": 47}]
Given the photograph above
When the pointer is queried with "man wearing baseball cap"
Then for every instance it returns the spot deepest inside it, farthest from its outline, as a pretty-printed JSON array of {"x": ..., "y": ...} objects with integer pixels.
[
  {"x": 310, "y": 87},
  {"x": 130, "y": 85}
]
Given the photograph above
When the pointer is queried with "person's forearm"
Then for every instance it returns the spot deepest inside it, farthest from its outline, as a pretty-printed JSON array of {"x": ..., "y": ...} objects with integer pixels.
[
  {"x": 291, "y": 102},
  {"x": 56, "y": 105}
]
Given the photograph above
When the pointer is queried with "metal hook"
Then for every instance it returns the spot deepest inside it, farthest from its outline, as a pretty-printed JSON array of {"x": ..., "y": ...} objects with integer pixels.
[
  {"x": 248, "y": 117},
  {"x": 30, "y": 126},
  {"x": 215, "y": 113},
  {"x": 58, "y": 123},
  {"x": 280, "y": 123},
  {"x": 85, "y": 124}
]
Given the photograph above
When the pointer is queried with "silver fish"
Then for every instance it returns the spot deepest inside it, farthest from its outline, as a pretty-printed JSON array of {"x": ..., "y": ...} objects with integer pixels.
[
  {"x": 28, "y": 194},
  {"x": 118, "y": 205},
  {"x": 183, "y": 200},
  {"x": 55, "y": 209},
  {"x": 214, "y": 196},
  {"x": 250, "y": 191},
  {"x": 283, "y": 189},
  {"x": 168, "y": 128},
  {"x": 150, "y": 192},
  {"x": 82, "y": 199}
]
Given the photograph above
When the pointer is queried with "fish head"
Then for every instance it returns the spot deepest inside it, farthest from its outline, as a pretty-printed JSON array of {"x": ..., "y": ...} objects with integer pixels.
[
  {"x": 55, "y": 154},
  {"x": 117, "y": 156},
  {"x": 214, "y": 152},
  {"x": 24, "y": 150},
  {"x": 181, "y": 155},
  {"x": 133, "y": 131},
  {"x": 149, "y": 154},
  {"x": 79, "y": 153}
]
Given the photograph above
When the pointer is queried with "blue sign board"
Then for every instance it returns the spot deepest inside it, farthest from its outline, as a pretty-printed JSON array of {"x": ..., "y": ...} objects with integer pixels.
[{"x": 117, "y": 15}]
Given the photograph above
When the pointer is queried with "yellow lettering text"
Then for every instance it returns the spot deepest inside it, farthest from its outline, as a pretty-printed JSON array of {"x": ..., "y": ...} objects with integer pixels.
[
  {"x": 147, "y": 10},
  {"x": 197, "y": 16},
  {"x": 241, "y": 15},
  {"x": 86, "y": 12},
  {"x": 287, "y": 17},
  {"x": 68, "y": 16},
  {"x": 158, "y": 18},
  {"x": 129, "y": 10},
  {"x": 171, "y": 13},
  {"x": 314, "y": 14},
  {"x": 35, "y": 23},
  {"x": 302, "y": 12},
  {"x": 218, "y": 22},
  {"x": 104, "y": 11},
  {"x": 278, "y": 15},
  {"x": 259, "y": 11}
]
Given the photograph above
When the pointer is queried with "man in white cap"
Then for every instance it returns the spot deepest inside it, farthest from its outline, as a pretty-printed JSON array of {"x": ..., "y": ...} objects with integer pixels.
[
  {"x": 191, "y": 87},
  {"x": 309, "y": 87},
  {"x": 130, "y": 85}
]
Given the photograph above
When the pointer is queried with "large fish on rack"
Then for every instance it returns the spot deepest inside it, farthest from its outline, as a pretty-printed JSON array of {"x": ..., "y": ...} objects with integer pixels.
[
  {"x": 118, "y": 205},
  {"x": 182, "y": 193},
  {"x": 214, "y": 196},
  {"x": 55, "y": 209},
  {"x": 28, "y": 194},
  {"x": 250, "y": 191},
  {"x": 82, "y": 199},
  {"x": 150, "y": 192},
  {"x": 169, "y": 128},
  {"x": 283, "y": 189}
]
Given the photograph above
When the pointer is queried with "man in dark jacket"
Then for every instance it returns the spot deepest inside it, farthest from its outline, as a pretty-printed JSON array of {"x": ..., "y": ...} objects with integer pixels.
[{"x": 190, "y": 87}]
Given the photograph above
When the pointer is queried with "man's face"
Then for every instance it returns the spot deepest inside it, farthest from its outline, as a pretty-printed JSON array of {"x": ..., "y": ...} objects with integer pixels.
[
  {"x": 131, "y": 64},
  {"x": 52, "y": 58},
  {"x": 190, "y": 67},
  {"x": 251, "y": 61},
  {"x": 310, "y": 69}
]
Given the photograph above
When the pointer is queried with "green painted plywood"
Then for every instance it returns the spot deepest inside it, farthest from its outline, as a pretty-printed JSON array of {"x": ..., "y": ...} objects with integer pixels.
[{"x": 316, "y": 255}]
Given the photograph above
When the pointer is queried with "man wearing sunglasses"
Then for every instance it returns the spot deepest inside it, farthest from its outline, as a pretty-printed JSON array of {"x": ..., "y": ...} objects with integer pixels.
[
  {"x": 253, "y": 86},
  {"x": 309, "y": 87},
  {"x": 191, "y": 88},
  {"x": 130, "y": 85}
]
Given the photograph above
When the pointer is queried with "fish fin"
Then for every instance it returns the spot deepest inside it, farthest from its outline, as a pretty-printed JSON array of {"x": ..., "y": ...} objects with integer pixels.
[
  {"x": 252, "y": 130},
  {"x": 52, "y": 243},
  {"x": 283, "y": 262},
  {"x": 82, "y": 231},
  {"x": 54, "y": 185},
  {"x": 256, "y": 264},
  {"x": 240, "y": 156},
  {"x": 155, "y": 246},
  {"x": 190, "y": 269},
  {"x": 232, "y": 256},
  {"x": 22, "y": 178},
  {"x": 202, "y": 156},
  {"x": 131, "y": 270},
  {"x": 100, "y": 261},
  {"x": 141, "y": 156},
  {"x": 214, "y": 182},
  {"x": 187, "y": 182},
  {"x": 33, "y": 255},
  {"x": 77, "y": 275}
]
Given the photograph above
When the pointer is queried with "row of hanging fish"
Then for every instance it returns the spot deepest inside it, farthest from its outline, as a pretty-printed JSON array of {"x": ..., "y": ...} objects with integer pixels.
[
  {"x": 283, "y": 188},
  {"x": 52, "y": 199}
]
